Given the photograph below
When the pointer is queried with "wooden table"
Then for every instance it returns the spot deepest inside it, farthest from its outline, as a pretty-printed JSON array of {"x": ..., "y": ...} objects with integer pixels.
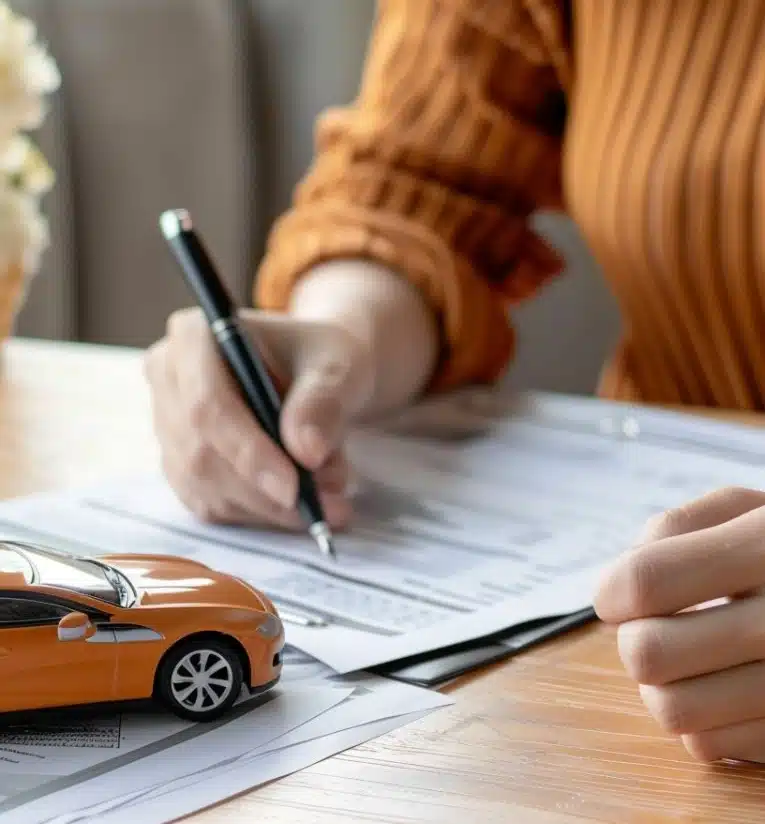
[{"x": 555, "y": 736}]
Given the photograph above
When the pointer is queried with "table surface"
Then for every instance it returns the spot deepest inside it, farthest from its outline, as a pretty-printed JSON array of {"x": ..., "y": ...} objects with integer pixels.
[{"x": 557, "y": 735}]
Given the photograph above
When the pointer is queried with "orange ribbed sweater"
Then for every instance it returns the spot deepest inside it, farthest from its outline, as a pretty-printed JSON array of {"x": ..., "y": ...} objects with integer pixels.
[{"x": 642, "y": 119}]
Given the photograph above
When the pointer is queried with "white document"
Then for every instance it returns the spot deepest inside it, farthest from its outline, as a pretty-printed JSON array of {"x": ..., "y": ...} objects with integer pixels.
[
  {"x": 508, "y": 514},
  {"x": 167, "y": 806},
  {"x": 345, "y": 725},
  {"x": 43, "y": 774},
  {"x": 154, "y": 768}
]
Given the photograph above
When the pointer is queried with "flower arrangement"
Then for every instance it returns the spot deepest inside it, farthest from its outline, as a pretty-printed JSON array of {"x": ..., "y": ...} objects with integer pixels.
[{"x": 28, "y": 74}]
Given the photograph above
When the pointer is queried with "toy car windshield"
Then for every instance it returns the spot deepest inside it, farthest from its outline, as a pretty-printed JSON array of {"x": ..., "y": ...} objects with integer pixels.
[{"x": 51, "y": 568}]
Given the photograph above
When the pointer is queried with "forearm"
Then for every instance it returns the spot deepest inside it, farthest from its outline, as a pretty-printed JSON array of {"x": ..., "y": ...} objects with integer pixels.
[{"x": 386, "y": 313}]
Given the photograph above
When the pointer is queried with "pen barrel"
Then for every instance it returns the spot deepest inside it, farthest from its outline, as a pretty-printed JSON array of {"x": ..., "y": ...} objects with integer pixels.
[
  {"x": 201, "y": 276},
  {"x": 262, "y": 398},
  {"x": 309, "y": 505},
  {"x": 257, "y": 388}
]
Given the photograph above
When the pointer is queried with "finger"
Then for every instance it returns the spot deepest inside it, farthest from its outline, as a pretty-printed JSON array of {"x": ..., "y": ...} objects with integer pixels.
[
  {"x": 213, "y": 492},
  {"x": 202, "y": 477},
  {"x": 737, "y": 742},
  {"x": 720, "y": 699},
  {"x": 316, "y": 413},
  {"x": 207, "y": 487},
  {"x": 658, "y": 651},
  {"x": 164, "y": 389},
  {"x": 155, "y": 362},
  {"x": 716, "y": 508},
  {"x": 217, "y": 497},
  {"x": 329, "y": 388},
  {"x": 337, "y": 510},
  {"x": 196, "y": 463},
  {"x": 214, "y": 409},
  {"x": 710, "y": 510},
  {"x": 335, "y": 475},
  {"x": 680, "y": 572}
]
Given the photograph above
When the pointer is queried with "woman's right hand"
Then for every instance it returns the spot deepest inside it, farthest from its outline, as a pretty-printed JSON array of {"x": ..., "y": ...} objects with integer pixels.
[
  {"x": 358, "y": 340},
  {"x": 217, "y": 459}
]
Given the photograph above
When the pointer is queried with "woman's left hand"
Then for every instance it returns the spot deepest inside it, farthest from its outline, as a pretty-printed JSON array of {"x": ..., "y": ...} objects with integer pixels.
[{"x": 701, "y": 671}]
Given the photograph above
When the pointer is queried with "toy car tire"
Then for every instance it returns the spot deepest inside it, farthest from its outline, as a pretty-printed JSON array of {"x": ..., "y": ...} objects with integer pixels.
[{"x": 200, "y": 679}]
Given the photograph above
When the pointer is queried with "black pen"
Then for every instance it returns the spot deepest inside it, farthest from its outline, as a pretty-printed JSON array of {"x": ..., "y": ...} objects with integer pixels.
[{"x": 240, "y": 355}]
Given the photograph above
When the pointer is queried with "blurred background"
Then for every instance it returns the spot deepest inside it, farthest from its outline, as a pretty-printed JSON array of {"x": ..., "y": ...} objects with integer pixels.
[{"x": 210, "y": 105}]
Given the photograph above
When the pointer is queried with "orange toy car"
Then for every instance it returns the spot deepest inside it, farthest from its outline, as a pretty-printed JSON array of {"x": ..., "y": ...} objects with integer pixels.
[{"x": 77, "y": 630}]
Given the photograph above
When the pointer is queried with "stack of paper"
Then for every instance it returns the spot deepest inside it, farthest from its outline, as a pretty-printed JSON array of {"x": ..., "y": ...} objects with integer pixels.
[
  {"x": 503, "y": 519},
  {"x": 475, "y": 514},
  {"x": 149, "y": 766}
]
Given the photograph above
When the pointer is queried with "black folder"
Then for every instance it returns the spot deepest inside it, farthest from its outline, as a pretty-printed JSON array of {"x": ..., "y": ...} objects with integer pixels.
[{"x": 438, "y": 667}]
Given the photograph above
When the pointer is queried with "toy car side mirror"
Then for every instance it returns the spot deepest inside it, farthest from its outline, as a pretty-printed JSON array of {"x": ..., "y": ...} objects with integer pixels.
[{"x": 75, "y": 626}]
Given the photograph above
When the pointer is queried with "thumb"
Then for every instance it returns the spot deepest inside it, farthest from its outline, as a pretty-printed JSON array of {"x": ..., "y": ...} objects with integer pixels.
[{"x": 330, "y": 385}]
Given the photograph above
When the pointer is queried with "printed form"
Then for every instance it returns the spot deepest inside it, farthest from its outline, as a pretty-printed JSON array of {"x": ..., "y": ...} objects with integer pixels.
[
  {"x": 474, "y": 513},
  {"x": 149, "y": 766}
]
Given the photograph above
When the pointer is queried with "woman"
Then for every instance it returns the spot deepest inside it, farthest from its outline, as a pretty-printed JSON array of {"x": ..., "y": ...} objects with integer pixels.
[{"x": 409, "y": 239}]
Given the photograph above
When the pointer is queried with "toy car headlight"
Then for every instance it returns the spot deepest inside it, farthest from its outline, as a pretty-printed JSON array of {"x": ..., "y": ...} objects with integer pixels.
[{"x": 270, "y": 626}]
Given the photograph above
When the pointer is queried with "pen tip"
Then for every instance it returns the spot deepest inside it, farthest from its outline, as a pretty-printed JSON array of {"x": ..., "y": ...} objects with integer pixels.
[{"x": 323, "y": 537}]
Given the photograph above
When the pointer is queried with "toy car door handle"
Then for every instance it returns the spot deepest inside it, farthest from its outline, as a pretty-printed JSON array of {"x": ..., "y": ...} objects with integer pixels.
[{"x": 4, "y": 652}]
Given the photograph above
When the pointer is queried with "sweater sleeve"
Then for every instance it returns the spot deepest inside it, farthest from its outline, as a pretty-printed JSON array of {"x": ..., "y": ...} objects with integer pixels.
[{"x": 453, "y": 141}]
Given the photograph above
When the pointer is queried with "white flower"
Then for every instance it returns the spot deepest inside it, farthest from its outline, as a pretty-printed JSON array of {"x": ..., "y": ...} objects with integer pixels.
[
  {"x": 23, "y": 230},
  {"x": 27, "y": 75},
  {"x": 24, "y": 166}
]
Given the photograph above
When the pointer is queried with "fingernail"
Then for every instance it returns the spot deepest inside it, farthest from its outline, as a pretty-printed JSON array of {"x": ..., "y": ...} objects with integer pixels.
[
  {"x": 314, "y": 443},
  {"x": 278, "y": 489}
]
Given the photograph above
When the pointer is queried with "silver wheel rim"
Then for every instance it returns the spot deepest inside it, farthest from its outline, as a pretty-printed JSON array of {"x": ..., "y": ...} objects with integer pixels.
[{"x": 202, "y": 680}]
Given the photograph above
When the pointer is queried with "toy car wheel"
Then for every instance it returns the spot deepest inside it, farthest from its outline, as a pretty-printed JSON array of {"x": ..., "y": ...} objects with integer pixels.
[{"x": 200, "y": 680}]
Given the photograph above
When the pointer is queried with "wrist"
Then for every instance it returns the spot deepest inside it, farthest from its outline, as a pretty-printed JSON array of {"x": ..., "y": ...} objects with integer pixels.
[{"x": 385, "y": 313}]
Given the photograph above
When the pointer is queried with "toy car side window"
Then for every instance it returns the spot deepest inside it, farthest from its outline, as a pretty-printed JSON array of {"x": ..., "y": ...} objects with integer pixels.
[{"x": 25, "y": 611}]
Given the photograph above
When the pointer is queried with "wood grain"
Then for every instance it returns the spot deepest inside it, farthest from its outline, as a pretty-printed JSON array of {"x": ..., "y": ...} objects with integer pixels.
[{"x": 555, "y": 736}]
